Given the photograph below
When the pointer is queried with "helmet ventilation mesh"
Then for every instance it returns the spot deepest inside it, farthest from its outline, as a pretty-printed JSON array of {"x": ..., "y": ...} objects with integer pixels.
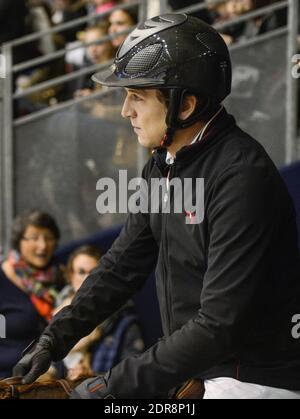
[{"x": 144, "y": 60}]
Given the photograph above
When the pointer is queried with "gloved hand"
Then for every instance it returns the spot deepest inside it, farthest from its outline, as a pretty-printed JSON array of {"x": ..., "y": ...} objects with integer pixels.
[
  {"x": 92, "y": 388},
  {"x": 35, "y": 362}
]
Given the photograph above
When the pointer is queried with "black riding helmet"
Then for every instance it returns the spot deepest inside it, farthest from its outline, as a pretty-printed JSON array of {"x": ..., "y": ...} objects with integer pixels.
[{"x": 179, "y": 53}]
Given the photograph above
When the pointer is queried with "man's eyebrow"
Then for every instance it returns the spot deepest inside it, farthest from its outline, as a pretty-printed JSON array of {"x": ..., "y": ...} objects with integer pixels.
[{"x": 137, "y": 91}]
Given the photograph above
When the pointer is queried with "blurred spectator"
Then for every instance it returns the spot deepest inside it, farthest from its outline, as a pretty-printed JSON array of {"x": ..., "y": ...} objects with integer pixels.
[
  {"x": 44, "y": 97},
  {"x": 94, "y": 54},
  {"x": 29, "y": 283},
  {"x": 228, "y": 10},
  {"x": 102, "y": 6},
  {"x": 202, "y": 14},
  {"x": 40, "y": 21},
  {"x": 15, "y": 23},
  {"x": 81, "y": 263},
  {"x": 67, "y": 10},
  {"x": 121, "y": 337},
  {"x": 115, "y": 339},
  {"x": 120, "y": 20},
  {"x": 97, "y": 53}
]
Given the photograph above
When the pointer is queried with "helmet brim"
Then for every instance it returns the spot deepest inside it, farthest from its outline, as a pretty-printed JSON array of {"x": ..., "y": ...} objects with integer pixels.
[{"x": 107, "y": 77}]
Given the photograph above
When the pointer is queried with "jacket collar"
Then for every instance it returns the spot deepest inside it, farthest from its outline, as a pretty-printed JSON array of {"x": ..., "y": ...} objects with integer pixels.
[{"x": 214, "y": 133}]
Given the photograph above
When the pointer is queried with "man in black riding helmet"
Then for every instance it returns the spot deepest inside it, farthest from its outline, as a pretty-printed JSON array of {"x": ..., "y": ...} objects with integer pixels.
[{"x": 228, "y": 281}]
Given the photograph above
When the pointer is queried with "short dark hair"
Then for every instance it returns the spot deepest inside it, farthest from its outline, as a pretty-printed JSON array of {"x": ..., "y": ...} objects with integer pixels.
[
  {"x": 34, "y": 218},
  {"x": 164, "y": 97}
]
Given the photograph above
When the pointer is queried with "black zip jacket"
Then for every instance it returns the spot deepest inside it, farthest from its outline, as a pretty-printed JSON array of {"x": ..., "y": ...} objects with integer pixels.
[{"x": 228, "y": 287}]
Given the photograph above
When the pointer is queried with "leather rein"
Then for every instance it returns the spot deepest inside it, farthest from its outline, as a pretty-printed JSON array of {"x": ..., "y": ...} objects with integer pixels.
[{"x": 14, "y": 382}]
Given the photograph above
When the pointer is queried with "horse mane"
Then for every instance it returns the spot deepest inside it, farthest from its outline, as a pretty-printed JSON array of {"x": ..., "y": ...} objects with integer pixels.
[{"x": 54, "y": 389}]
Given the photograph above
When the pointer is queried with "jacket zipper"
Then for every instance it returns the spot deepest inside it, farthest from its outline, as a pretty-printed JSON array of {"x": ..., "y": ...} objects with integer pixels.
[{"x": 168, "y": 298}]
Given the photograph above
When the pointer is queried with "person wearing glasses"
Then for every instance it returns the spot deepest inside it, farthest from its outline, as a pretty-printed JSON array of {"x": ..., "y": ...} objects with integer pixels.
[
  {"x": 29, "y": 284},
  {"x": 79, "y": 266},
  {"x": 115, "y": 339}
]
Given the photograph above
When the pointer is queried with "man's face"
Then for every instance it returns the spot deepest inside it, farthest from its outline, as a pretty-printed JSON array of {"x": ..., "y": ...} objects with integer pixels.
[{"x": 147, "y": 116}]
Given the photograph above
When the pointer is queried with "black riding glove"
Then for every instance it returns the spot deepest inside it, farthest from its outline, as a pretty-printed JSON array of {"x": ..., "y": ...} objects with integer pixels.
[
  {"x": 35, "y": 362},
  {"x": 92, "y": 388}
]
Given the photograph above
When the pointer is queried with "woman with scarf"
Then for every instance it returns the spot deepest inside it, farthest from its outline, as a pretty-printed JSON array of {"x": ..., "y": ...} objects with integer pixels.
[{"x": 28, "y": 284}]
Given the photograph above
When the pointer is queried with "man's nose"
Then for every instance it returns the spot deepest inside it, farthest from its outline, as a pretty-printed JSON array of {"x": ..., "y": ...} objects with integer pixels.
[{"x": 126, "y": 109}]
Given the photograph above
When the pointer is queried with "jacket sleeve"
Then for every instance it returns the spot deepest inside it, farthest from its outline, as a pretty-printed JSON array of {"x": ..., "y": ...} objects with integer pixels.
[
  {"x": 121, "y": 273},
  {"x": 242, "y": 215}
]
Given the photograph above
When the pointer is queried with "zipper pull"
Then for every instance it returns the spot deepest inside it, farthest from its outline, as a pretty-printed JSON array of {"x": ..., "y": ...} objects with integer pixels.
[{"x": 166, "y": 195}]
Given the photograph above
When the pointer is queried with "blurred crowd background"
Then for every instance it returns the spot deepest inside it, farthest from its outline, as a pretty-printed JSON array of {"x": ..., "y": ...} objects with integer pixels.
[{"x": 22, "y": 17}]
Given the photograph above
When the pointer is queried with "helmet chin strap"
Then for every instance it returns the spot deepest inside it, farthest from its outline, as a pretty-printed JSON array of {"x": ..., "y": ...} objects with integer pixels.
[
  {"x": 168, "y": 138},
  {"x": 174, "y": 124}
]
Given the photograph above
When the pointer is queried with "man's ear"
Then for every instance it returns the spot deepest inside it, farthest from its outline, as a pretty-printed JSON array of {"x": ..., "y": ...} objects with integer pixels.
[{"x": 188, "y": 107}]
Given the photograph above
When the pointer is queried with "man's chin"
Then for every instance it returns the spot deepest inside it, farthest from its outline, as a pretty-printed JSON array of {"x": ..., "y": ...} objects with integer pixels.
[
  {"x": 146, "y": 143},
  {"x": 142, "y": 141}
]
